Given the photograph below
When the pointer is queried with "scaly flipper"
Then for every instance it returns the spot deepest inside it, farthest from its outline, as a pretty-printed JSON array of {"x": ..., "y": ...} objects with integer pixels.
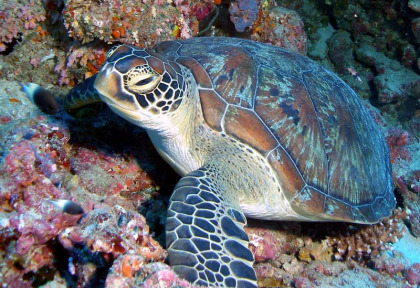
[
  {"x": 81, "y": 95},
  {"x": 205, "y": 238}
]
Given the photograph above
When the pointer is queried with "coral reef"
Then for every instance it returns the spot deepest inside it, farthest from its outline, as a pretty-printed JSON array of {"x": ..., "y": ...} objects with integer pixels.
[
  {"x": 344, "y": 242},
  {"x": 123, "y": 274},
  {"x": 139, "y": 23},
  {"x": 116, "y": 179},
  {"x": 20, "y": 19},
  {"x": 41, "y": 163},
  {"x": 366, "y": 241},
  {"x": 112, "y": 231},
  {"x": 405, "y": 152},
  {"x": 413, "y": 274},
  {"x": 281, "y": 27},
  {"x": 305, "y": 255}
]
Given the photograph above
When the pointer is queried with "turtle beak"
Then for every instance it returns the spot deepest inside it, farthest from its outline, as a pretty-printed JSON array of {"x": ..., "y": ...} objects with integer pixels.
[{"x": 109, "y": 84}]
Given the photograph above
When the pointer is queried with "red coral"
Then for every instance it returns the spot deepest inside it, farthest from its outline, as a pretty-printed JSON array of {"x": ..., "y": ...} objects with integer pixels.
[
  {"x": 201, "y": 11},
  {"x": 397, "y": 141}
]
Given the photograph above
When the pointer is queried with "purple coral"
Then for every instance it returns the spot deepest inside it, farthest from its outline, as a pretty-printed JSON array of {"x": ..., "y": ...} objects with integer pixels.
[{"x": 243, "y": 13}]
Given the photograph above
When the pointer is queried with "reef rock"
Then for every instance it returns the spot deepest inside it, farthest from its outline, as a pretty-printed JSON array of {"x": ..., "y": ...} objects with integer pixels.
[{"x": 393, "y": 82}]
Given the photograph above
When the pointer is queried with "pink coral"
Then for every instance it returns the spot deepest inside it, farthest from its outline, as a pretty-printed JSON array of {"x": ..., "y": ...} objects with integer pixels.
[
  {"x": 397, "y": 140},
  {"x": 202, "y": 11},
  {"x": 413, "y": 274},
  {"x": 64, "y": 78},
  {"x": 35, "y": 61},
  {"x": 18, "y": 19}
]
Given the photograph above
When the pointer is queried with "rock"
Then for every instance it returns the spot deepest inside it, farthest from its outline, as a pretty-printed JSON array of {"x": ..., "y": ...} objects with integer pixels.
[
  {"x": 318, "y": 48},
  {"x": 408, "y": 58},
  {"x": 393, "y": 82},
  {"x": 340, "y": 51},
  {"x": 113, "y": 231},
  {"x": 414, "y": 5}
]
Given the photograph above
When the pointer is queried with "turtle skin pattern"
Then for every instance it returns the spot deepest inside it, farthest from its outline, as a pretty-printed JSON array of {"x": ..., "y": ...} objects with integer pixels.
[{"x": 205, "y": 236}]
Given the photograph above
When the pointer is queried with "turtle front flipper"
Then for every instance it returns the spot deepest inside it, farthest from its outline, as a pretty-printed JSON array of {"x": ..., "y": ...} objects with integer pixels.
[
  {"x": 81, "y": 95},
  {"x": 205, "y": 238}
]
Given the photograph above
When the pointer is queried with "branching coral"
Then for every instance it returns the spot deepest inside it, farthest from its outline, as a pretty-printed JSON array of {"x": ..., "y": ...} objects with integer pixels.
[{"x": 364, "y": 241}]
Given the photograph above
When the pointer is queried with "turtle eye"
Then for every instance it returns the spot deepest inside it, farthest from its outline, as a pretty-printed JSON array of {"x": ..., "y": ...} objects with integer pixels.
[
  {"x": 141, "y": 79},
  {"x": 146, "y": 81}
]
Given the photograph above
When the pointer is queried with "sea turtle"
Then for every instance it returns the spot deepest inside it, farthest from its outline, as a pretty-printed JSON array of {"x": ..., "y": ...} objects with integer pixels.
[{"x": 254, "y": 130}]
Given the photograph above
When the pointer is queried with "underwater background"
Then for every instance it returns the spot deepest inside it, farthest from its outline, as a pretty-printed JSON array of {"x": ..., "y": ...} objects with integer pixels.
[{"x": 109, "y": 167}]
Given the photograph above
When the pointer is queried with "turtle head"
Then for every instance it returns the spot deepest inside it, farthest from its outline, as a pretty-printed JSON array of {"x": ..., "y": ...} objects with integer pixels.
[{"x": 141, "y": 85}]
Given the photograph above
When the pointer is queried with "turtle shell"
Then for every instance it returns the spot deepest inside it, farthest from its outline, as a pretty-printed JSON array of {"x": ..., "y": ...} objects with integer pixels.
[{"x": 329, "y": 156}]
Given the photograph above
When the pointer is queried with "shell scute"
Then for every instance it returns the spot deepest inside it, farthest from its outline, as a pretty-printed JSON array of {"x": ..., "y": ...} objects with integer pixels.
[
  {"x": 245, "y": 126},
  {"x": 382, "y": 203},
  {"x": 364, "y": 214},
  {"x": 338, "y": 210},
  {"x": 213, "y": 108},
  {"x": 349, "y": 135},
  {"x": 291, "y": 118},
  {"x": 288, "y": 176},
  {"x": 233, "y": 73},
  {"x": 197, "y": 70},
  {"x": 309, "y": 203},
  {"x": 278, "y": 59}
]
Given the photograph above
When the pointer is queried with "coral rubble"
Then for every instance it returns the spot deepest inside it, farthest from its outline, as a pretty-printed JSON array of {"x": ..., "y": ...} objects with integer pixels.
[{"x": 44, "y": 162}]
